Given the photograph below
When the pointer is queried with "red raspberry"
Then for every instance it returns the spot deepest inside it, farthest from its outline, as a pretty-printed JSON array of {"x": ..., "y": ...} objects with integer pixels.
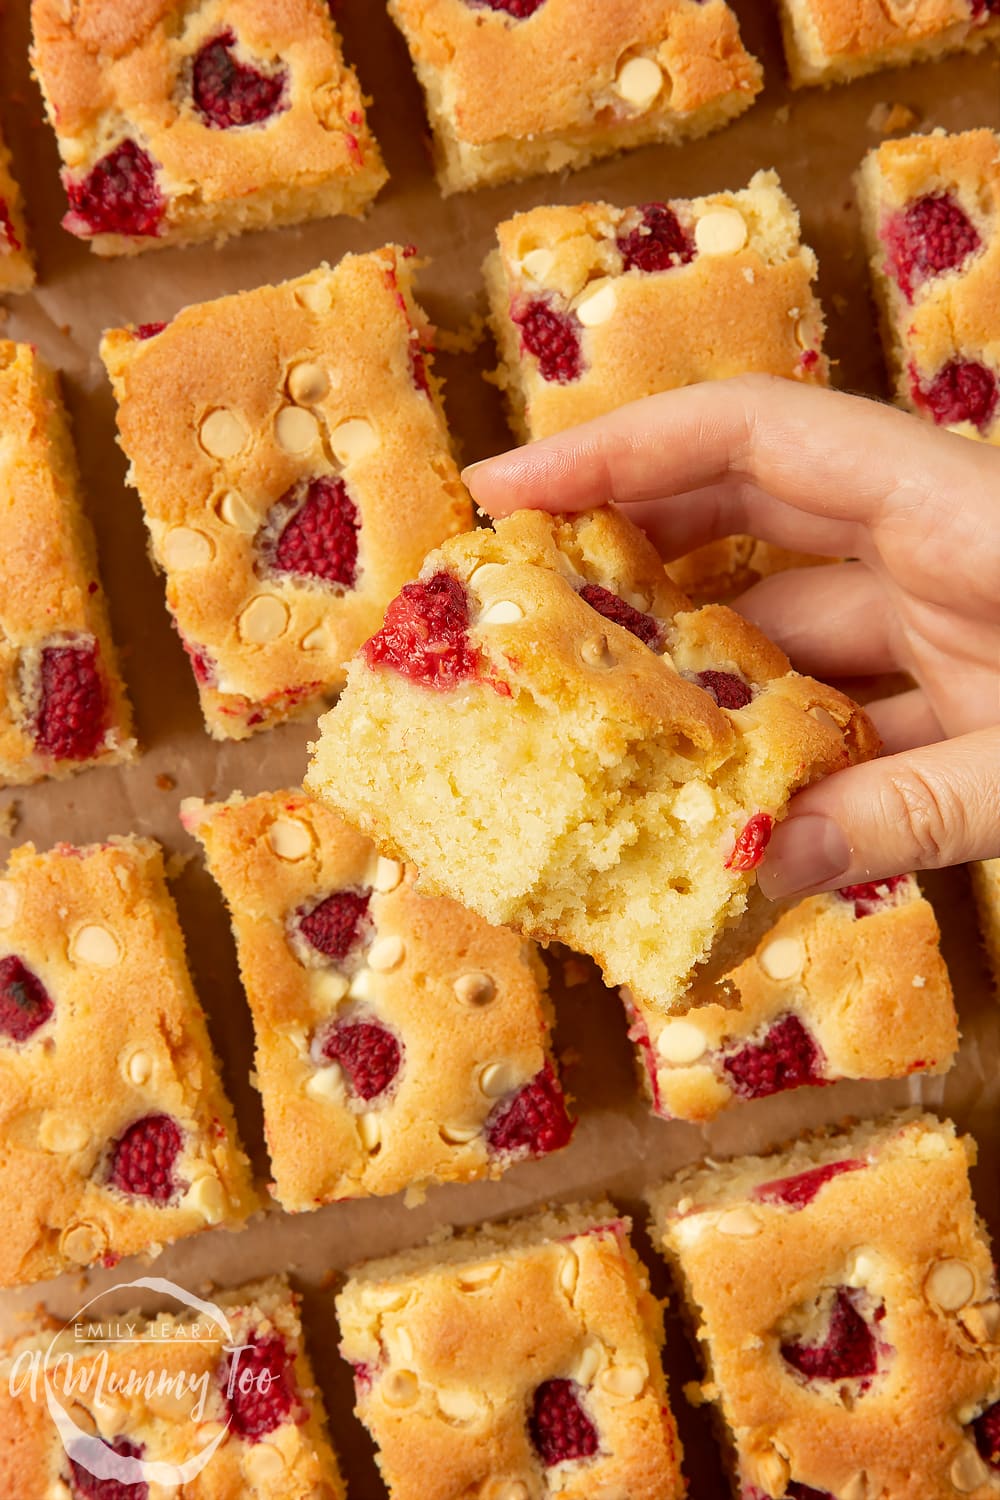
[
  {"x": 7, "y": 230},
  {"x": 73, "y": 705},
  {"x": 25, "y": 1004},
  {"x": 613, "y": 608},
  {"x": 553, "y": 337},
  {"x": 787, "y": 1058},
  {"x": 118, "y": 196},
  {"x": 424, "y": 636},
  {"x": 871, "y": 895},
  {"x": 149, "y": 330},
  {"x": 931, "y": 235},
  {"x": 260, "y": 1387},
  {"x": 796, "y": 1491},
  {"x": 982, "y": 8},
  {"x": 560, "y": 1428},
  {"x": 986, "y": 1430},
  {"x": 418, "y": 369},
  {"x": 849, "y": 1351},
  {"x": 142, "y": 1161},
  {"x": 795, "y": 1192},
  {"x": 658, "y": 243},
  {"x": 87, "y": 1486},
  {"x": 202, "y": 664},
  {"x": 520, "y": 10},
  {"x": 963, "y": 390},
  {"x": 320, "y": 539},
  {"x": 751, "y": 842},
  {"x": 728, "y": 690},
  {"x": 533, "y": 1122},
  {"x": 228, "y": 93},
  {"x": 368, "y": 1053},
  {"x": 336, "y": 924}
]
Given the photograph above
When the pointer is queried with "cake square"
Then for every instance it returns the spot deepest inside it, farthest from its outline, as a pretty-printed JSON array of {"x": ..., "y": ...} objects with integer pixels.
[
  {"x": 233, "y": 1401},
  {"x": 848, "y": 984},
  {"x": 117, "y": 1137},
  {"x": 594, "y": 306},
  {"x": 291, "y": 455},
  {"x": 178, "y": 123},
  {"x": 929, "y": 207},
  {"x": 986, "y": 886},
  {"x": 520, "y": 1360},
  {"x": 553, "y": 735},
  {"x": 17, "y": 273},
  {"x": 518, "y": 87},
  {"x": 400, "y": 1039},
  {"x": 831, "y": 41},
  {"x": 844, "y": 1297},
  {"x": 62, "y": 703}
]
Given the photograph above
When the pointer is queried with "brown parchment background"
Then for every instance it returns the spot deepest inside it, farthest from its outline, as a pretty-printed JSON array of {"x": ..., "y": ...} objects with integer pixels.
[{"x": 815, "y": 140}]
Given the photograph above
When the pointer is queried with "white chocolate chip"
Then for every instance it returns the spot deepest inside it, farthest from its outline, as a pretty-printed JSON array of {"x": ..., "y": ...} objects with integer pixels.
[
  {"x": 206, "y": 1197},
  {"x": 370, "y": 1130},
  {"x": 951, "y": 1284},
  {"x": 400, "y": 1388},
  {"x": 681, "y": 1042},
  {"x": 295, "y": 430},
  {"x": 459, "y": 1135},
  {"x": 856, "y": 1488},
  {"x": 538, "y": 263},
  {"x": 639, "y": 82},
  {"x": 569, "y": 1272},
  {"x": 596, "y": 652},
  {"x": 783, "y": 959},
  {"x": 474, "y": 1278},
  {"x": 481, "y": 576},
  {"x": 462, "y": 1405},
  {"x": 235, "y": 512},
  {"x": 968, "y": 1471},
  {"x": 183, "y": 547},
  {"x": 327, "y": 1083},
  {"x": 863, "y": 1267},
  {"x": 82, "y": 1418},
  {"x": 9, "y": 903},
  {"x": 316, "y": 296},
  {"x": 386, "y": 1298},
  {"x": 137, "y": 1067},
  {"x": 290, "y": 838},
  {"x": 94, "y": 944},
  {"x": 263, "y": 1465},
  {"x": 83, "y": 1242},
  {"x": 512, "y": 1490},
  {"x": 624, "y": 1381},
  {"x": 223, "y": 434},
  {"x": 264, "y": 619},
  {"x": 587, "y": 1365},
  {"x": 386, "y": 953},
  {"x": 919, "y": 982},
  {"x": 721, "y": 231},
  {"x": 770, "y": 1470},
  {"x": 388, "y": 874},
  {"x": 362, "y": 985},
  {"x": 503, "y": 612},
  {"x": 62, "y": 1134},
  {"x": 741, "y": 1223},
  {"x": 400, "y": 1346},
  {"x": 308, "y": 382},
  {"x": 981, "y": 1323},
  {"x": 695, "y": 805},
  {"x": 474, "y": 988},
  {"x": 597, "y": 306},
  {"x": 314, "y": 640},
  {"x": 352, "y": 440},
  {"x": 827, "y": 720},
  {"x": 497, "y": 1079}
]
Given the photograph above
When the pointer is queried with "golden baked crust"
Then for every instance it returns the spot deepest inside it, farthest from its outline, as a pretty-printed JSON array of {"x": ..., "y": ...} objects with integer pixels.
[
  {"x": 892, "y": 1226},
  {"x": 17, "y": 273},
  {"x": 290, "y": 1460},
  {"x": 986, "y": 885},
  {"x": 124, "y": 1041},
  {"x": 737, "y": 297},
  {"x": 452, "y": 1342},
  {"x": 950, "y": 319},
  {"x": 50, "y": 593},
  {"x": 228, "y": 415},
  {"x": 465, "y": 1002},
  {"x": 843, "y": 986},
  {"x": 575, "y": 782},
  {"x": 508, "y": 98},
  {"x": 112, "y": 74},
  {"x": 828, "y": 41}
]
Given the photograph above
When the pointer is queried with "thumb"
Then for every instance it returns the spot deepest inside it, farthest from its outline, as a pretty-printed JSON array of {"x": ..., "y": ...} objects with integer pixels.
[{"x": 938, "y": 805}]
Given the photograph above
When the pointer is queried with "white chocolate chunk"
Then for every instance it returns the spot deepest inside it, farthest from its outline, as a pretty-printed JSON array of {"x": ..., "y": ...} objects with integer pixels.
[
  {"x": 695, "y": 805},
  {"x": 290, "y": 838},
  {"x": 503, "y": 612},
  {"x": 263, "y": 1465},
  {"x": 497, "y": 1079},
  {"x": 183, "y": 548},
  {"x": 721, "y": 231},
  {"x": 264, "y": 619},
  {"x": 223, "y": 434},
  {"x": 514, "y": 1489},
  {"x": 307, "y": 382},
  {"x": 235, "y": 512},
  {"x": 826, "y": 719},
  {"x": 370, "y": 1131},
  {"x": 598, "y": 306},
  {"x": 362, "y": 985},
  {"x": 206, "y": 1197},
  {"x": 295, "y": 430},
  {"x": 783, "y": 959},
  {"x": 386, "y": 953},
  {"x": 400, "y": 1388},
  {"x": 315, "y": 640},
  {"x": 327, "y": 1083},
  {"x": 388, "y": 874},
  {"x": 352, "y": 440},
  {"x": 624, "y": 1381},
  {"x": 596, "y": 652},
  {"x": 481, "y": 576},
  {"x": 316, "y": 296},
  {"x": 588, "y": 1364},
  {"x": 459, "y": 1135},
  {"x": 538, "y": 263},
  {"x": 951, "y": 1284},
  {"x": 968, "y": 1471},
  {"x": 569, "y": 1272},
  {"x": 83, "y": 1242},
  {"x": 62, "y": 1134},
  {"x": 137, "y": 1067},
  {"x": 741, "y": 1223},
  {"x": 462, "y": 1405},
  {"x": 639, "y": 82},
  {"x": 681, "y": 1042},
  {"x": 94, "y": 944},
  {"x": 474, "y": 988},
  {"x": 474, "y": 1278}
]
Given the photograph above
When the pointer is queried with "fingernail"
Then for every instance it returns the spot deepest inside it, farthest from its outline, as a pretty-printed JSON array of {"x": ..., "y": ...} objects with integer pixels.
[
  {"x": 471, "y": 468},
  {"x": 804, "y": 854}
]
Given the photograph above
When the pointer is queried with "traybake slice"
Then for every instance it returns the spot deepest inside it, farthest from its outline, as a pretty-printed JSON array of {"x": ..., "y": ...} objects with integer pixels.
[
  {"x": 62, "y": 703},
  {"x": 930, "y": 208},
  {"x": 117, "y": 1137},
  {"x": 831, "y": 41},
  {"x": 178, "y": 123},
  {"x": 290, "y": 451},
  {"x": 230, "y": 1399},
  {"x": 848, "y": 984},
  {"x": 400, "y": 1040},
  {"x": 844, "y": 1297},
  {"x": 17, "y": 274},
  {"x": 556, "y": 737},
  {"x": 515, "y": 1362},
  {"x": 986, "y": 885},
  {"x": 517, "y": 87}
]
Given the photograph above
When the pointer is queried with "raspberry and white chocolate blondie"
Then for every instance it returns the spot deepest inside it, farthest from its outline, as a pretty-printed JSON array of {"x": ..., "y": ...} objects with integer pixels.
[
  {"x": 17, "y": 273},
  {"x": 517, "y": 87},
  {"x": 400, "y": 1039},
  {"x": 555, "y": 736},
  {"x": 292, "y": 459},
  {"x": 849, "y": 984},
  {"x": 178, "y": 123},
  {"x": 845, "y": 1298},
  {"x": 594, "y": 306},
  {"x": 830, "y": 41},
  {"x": 986, "y": 885},
  {"x": 514, "y": 1363},
  {"x": 930, "y": 208},
  {"x": 117, "y": 1137},
  {"x": 224, "y": 1392},
  {"x": 62, "y": 702}
]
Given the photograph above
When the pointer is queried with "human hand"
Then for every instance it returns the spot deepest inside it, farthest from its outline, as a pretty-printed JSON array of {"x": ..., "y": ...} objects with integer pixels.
[{"x": 817, "y": 471}]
